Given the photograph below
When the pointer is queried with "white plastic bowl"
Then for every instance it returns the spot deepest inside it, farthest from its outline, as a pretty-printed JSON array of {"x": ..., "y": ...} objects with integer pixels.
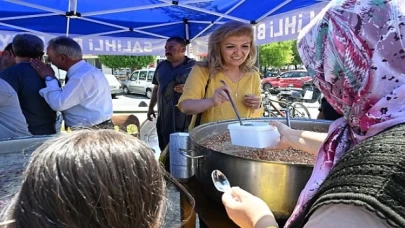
[{"x": 258, "y": 135}]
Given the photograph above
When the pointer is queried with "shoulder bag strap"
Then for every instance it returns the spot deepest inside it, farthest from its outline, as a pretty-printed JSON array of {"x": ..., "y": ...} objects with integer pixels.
[{"x": 198, "y": 120}]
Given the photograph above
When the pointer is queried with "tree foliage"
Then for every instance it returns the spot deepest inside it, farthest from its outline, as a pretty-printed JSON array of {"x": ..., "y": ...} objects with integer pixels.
[
  {"x": 279, "y": 54},
  {"x": 296, "y": 59},
  {"x": 124, "y": 61},
  {"x": 275, "y": 54}
]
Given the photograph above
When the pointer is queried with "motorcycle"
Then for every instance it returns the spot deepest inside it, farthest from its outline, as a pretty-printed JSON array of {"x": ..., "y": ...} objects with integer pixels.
[{"x": 309, "y": 94}]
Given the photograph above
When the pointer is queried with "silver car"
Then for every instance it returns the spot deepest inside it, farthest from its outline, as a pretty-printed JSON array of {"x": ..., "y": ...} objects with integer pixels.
[
  {"x": 115, "y": 85},
  {"x": 140, "y": 82}
]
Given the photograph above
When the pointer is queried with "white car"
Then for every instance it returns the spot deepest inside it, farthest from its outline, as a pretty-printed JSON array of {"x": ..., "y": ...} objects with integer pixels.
[
  {"x": 140, "y": 82},
  {"x": 115, "y": 85}
]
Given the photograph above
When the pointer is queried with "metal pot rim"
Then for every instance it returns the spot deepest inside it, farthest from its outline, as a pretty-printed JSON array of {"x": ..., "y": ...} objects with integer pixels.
[{"x": 268, "y": 119}]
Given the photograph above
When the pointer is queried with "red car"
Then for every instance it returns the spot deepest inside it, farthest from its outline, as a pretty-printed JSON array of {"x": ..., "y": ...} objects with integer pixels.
[{"x": 294, "y": 78}]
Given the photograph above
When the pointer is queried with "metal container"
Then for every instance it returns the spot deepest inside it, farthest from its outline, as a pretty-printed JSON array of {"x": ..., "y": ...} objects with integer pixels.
[
  {"x": 14, "y": 157},
  {"x": 182, "y": 167},
  {"x": 277, "y": 183}
]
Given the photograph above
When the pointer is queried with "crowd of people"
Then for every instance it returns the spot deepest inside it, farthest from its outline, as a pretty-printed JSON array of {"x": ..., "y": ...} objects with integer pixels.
[
  {"x": 104, "y": 178},
  {"x": 31, "y": 95}
]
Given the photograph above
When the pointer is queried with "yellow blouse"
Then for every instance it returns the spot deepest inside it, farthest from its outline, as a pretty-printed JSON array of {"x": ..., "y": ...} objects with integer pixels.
[{"x": 194, "y": 89}]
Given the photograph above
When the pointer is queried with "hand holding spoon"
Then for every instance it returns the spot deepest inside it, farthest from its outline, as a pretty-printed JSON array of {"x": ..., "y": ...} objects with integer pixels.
[{"x": 220, "y": 181}]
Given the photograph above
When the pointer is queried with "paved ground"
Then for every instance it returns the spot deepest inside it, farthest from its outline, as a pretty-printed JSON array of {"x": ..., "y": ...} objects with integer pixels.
[
  {"x": 172, "y": 217},
  {"x": 134, "y": 103}
]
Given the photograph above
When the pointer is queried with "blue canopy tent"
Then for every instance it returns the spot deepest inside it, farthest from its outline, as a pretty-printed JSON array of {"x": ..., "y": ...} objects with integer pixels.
[{"x": 143, "y": 24}]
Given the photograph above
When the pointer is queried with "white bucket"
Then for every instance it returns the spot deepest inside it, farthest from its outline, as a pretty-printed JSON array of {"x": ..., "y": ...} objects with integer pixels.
[{"x": 257, "y": 135}]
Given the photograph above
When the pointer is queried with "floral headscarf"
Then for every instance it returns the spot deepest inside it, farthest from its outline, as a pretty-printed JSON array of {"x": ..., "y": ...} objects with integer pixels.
[{"x": 356, "y": 51}]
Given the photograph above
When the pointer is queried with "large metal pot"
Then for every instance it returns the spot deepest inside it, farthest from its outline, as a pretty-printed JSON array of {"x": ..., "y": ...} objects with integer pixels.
[{"x": 277, "y": 183}]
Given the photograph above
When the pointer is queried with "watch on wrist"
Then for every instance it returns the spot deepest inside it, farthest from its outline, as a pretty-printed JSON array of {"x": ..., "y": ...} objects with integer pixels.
[{"x": 48, "y": 78}]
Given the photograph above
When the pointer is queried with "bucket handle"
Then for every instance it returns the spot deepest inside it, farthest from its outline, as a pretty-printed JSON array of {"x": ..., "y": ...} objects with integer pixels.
[{"x": 184, "y": 152}]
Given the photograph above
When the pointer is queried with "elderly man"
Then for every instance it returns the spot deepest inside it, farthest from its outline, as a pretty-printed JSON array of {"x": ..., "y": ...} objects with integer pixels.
[
  {"x": 85, "y": 100},
  {"x": 26, "y": 82},
  {"x": 7, "y": 57}
]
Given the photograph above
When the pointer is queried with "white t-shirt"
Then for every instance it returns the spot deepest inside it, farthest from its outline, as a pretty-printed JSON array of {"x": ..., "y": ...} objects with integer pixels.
[{"x": 12, "y": 120}]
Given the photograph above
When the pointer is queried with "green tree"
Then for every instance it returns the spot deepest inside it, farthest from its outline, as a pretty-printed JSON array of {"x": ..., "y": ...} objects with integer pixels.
[
  {"x": 126, "y": 61},
  {"x": 275, "y": 54},
  {"x": 296, "y": 59}
]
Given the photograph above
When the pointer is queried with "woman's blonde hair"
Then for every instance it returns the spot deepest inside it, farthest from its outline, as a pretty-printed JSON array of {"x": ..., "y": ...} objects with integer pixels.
[{"x": 215, "y": 61}]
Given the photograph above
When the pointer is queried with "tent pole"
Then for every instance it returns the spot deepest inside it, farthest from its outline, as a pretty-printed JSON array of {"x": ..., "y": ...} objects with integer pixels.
[
  {"x": 160, "y": 25},
  {"x": 35, "y": 6},
  {"x": 218, "y": 19},
  {"x": 122, "y": 27},
  {"x": 273, "y": 10},
  {"x": 67, "y": 25},
  {"x": 74, "y": 4},
  {"x": 24, "y": 29},
  {"x": 187, "y": 31},
  {"x": 208, "y": 11},
  {"x": 102, "y": 33},
  {"x": 205, "y": 22},
  {"x": 28, "y": 16},
  {"x": 195, "y": 1},
  {"x": 68, "y": 18},
  {"x": 151, "y": 6}
]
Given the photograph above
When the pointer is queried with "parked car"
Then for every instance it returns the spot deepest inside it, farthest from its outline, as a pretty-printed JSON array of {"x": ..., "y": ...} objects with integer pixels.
[
  {"x": 122, "y": 73},
  {"x": 121, "y": 77},
  {"x": 271, "y": 74},
  {"x": 115, "y": 85},
  {"x": 295, "y": 79},
  {"x": 140, "y": 82}
]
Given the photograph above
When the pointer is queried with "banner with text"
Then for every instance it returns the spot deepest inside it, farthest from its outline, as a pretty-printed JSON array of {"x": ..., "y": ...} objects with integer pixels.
[
  {"x": 102, "y": 45},
  {"x": 276, "y": 28}
]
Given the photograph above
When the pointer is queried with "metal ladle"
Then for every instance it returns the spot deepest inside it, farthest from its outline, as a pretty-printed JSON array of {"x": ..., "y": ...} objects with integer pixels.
[
  {"x": 220, "y": 181},
  {"x": 234, "y": 106},
  {"x": 287, "y": 118}
]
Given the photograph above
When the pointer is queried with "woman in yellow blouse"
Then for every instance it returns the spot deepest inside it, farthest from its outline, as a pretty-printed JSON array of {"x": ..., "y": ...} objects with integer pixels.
[{"x": 231, "y": 58}]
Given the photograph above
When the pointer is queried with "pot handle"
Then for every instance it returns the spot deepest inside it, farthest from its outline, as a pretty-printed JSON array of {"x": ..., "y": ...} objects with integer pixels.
[{"x": 183, "y": 152}]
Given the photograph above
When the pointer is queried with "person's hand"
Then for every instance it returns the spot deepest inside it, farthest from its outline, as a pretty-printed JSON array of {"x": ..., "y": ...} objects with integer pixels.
[
  {"x": 246, "y": 210},
  {"x": 150, "y": 114},
  {"x": 252, "y": 101},
  {"x": 284, "y": 131},
  {"x": 42, "y": 69},
  {"x": 179, "y": 88},
  {"x": 220, "y": 95}
]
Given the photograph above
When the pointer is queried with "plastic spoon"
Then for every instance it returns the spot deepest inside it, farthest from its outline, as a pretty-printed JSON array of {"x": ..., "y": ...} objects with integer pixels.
[
  {"x": 234, "y": 106},
  {"x": 220, "y": 181}
]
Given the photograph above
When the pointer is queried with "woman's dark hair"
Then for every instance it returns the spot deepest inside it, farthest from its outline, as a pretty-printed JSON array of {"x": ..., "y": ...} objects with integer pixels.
[
  {"x": 9, "y": 48},
  {"x": 91, "y": 178}
]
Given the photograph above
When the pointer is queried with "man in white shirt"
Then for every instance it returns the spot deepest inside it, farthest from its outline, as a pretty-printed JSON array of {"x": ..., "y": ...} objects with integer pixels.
[
  {"x": 12, "y": 120},
  {"x": 85, "y": 100}
]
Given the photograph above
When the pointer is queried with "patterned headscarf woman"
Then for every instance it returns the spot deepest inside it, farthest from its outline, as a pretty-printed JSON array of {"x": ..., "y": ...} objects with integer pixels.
[{"x": 356, "y": 51}]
